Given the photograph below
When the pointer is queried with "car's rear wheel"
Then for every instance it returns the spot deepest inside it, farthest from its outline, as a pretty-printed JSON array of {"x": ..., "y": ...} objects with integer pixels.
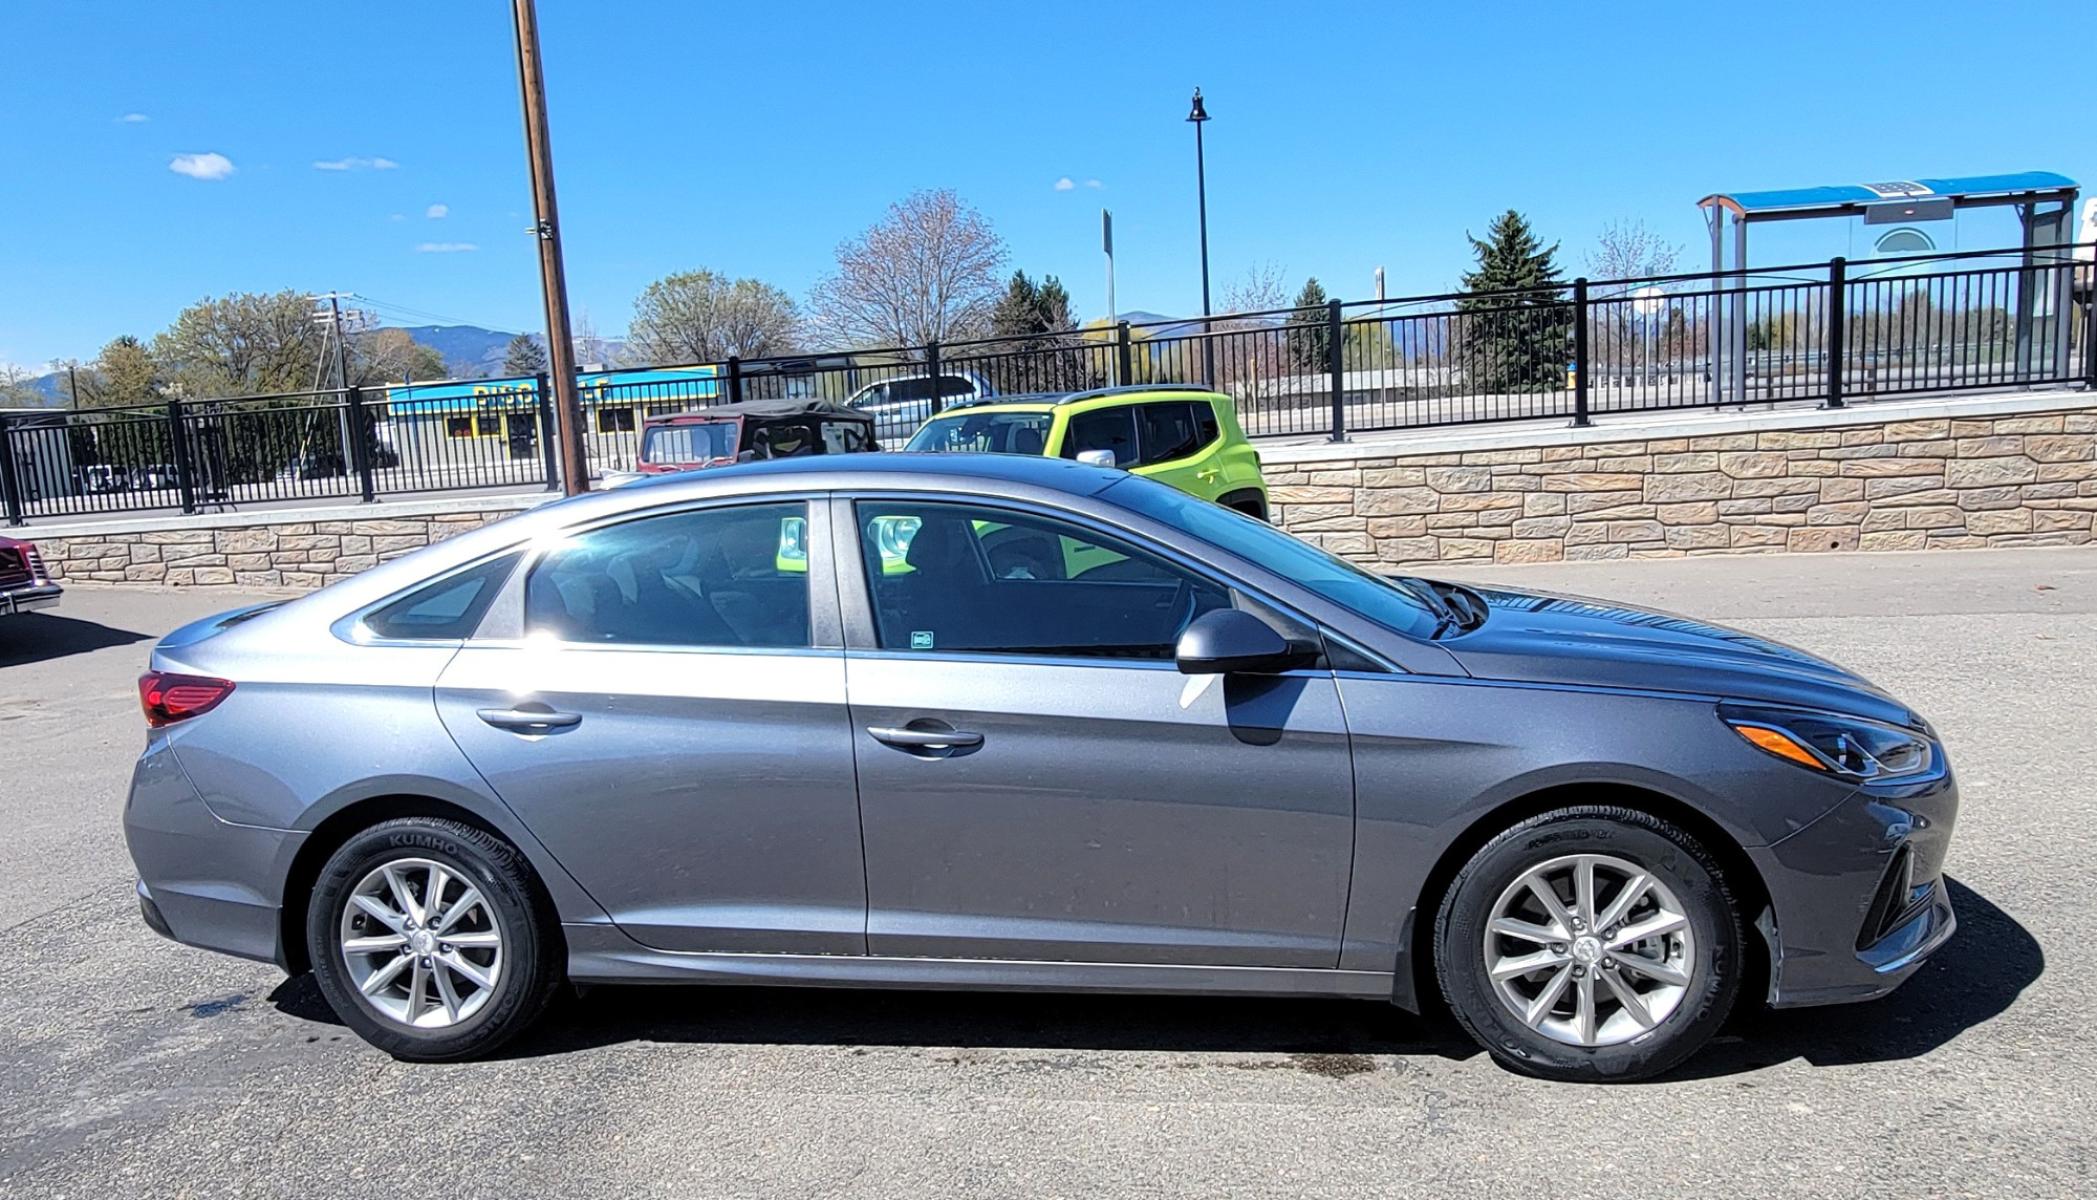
[
  {"x": 1249, "y": 502},
  {"x": 1590, "y": 943},
  {"x": 427, "y": 941}
]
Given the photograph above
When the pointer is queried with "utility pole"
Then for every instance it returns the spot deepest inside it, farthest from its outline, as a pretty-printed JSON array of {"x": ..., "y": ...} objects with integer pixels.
[
  {"x": 560, "y": 348},
  {"x": 331, "y": 320},
  {"x": 73, "y": 385}
]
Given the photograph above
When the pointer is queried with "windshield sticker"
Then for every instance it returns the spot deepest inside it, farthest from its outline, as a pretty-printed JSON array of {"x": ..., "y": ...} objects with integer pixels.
[{"x": 920, "y": 639}]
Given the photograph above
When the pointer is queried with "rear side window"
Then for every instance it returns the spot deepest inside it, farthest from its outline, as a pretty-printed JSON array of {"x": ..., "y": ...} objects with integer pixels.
[
  {"x": 1175, "y": 429},
  {"x": 446, "y": 610},
  {"x": 1103, "y": 429},
  {"x": 729, "y": 577}
]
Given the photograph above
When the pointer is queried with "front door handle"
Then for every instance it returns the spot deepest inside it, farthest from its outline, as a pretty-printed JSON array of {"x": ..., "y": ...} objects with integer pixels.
[
  {"x": 925, "y": 739},
  {"x": 537, "y": 719}
]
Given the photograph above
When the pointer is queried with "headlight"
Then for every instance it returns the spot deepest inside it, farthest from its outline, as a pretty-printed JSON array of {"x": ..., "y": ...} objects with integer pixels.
[{"x": 1838, "y": 745}]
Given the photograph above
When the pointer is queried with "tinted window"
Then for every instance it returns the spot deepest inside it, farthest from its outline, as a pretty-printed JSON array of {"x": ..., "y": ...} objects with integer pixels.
[
  {"x": 1175, "y": 429},
  {"x": 446, "y": 610},
  {"x": 1379, "y": 599},
  {"x": 716, "y": 577},
  {"x": 954, "y": 577},
  {"x": 1103, "y": 429}
]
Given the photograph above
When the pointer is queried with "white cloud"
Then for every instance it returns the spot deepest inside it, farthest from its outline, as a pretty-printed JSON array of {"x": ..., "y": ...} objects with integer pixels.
[
  {"x": 133, "y": 119},
  {"x": 437, "y": 212},
  {"x": 356, "y": 163},
  {"x": 1094, "y": 184},
  {"x": 201, "y": 166},
  {"x": 445, "y": 248},
  {"x": 1065, "y": 184}
]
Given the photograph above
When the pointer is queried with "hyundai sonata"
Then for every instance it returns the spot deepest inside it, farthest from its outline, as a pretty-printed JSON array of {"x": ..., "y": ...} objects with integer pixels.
[{"x": 966, "y": 721}]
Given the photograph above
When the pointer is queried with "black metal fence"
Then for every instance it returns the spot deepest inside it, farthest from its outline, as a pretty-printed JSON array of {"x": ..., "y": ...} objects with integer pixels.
[{"x": 1834, "y": 332}]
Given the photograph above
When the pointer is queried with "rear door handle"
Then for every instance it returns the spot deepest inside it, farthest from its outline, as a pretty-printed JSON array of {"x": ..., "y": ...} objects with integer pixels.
[
  {"x": 925, "y": 739},
  {"x": 529, "y": 720}
]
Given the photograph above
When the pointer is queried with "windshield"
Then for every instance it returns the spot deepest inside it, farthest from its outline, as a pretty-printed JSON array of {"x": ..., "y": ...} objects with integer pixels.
[
  {"x": 1389, "y": 604},
  {"x": 995, "y": 432},
  {"x": 671, "y": 445}
]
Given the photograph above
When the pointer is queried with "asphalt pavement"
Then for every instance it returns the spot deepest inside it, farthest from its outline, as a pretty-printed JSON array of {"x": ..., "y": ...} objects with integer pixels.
[{"x": 130, "y": 1066}]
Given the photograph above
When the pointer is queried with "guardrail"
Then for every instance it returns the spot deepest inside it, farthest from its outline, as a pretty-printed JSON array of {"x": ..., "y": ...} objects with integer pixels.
[{"x": 1835, "y": 332}]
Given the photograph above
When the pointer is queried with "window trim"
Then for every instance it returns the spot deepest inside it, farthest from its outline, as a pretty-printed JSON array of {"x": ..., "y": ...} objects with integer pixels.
[
  {"x": 862, "y": 637},
  {"x": 503, "y": 624}
]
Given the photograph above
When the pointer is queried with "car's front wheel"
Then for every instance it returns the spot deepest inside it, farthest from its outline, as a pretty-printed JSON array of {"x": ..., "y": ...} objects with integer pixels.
[
  {"x": 1590, "y": 943},
  {"x": 426, "y": 940}
]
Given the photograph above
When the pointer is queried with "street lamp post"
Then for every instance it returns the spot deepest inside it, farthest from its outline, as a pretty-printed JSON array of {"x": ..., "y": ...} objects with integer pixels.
[{"x": 1199, "y": 117}]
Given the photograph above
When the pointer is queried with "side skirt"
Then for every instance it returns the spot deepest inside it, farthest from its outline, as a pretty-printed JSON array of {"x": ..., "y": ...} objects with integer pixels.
[{"x": 603, "y": 954}]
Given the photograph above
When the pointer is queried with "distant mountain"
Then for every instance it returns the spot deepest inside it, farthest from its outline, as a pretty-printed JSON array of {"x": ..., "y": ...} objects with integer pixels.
[{"x": 471, "y": 352}]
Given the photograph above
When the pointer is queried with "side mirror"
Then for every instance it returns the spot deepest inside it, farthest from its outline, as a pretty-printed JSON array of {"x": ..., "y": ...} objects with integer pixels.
[
  {"x": 1229, "y": 642},
  {"x": 1096, "y": 458}
]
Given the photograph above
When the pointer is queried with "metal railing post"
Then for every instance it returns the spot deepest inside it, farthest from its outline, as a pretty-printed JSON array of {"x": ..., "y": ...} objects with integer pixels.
[
  {"x": 1124, "y": 361},
  {"x": 932, "y": 373},
  {"x": 1838, "y": 327},
  {"x": 2089, "y": 330},
  {"x": 1580, "y": 366},
  {"x": 10, "y": 485},
  {"x": 549, "y": 446},
  {"x": 1336, "y": 363},
  {"x": 359, "y": 449},
  {"x": 185, "y": 466},
  {"x": 735, "y": 379}
]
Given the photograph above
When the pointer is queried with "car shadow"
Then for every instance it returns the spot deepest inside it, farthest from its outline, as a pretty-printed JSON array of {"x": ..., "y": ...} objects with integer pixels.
[
  {"x": 1973, "y": 979},
  {"x": 39, "y": 637}
]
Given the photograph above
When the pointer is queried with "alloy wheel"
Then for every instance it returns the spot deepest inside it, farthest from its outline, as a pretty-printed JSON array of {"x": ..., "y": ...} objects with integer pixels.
[
  {"x": 422, "y": 943},
  {"x": 1589, "y": 949}
]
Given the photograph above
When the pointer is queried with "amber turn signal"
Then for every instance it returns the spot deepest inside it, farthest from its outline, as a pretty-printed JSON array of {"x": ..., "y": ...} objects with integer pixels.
[{"x": 1781, "y": 745}]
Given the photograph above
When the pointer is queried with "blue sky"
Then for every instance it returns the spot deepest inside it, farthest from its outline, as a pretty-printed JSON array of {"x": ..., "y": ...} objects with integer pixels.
[{"x": 753, "y": 138}]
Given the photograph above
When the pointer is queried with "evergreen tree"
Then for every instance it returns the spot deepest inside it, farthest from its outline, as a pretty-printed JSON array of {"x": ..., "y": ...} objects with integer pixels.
[
  {"x": 1036, "y": 320},
  {"x": 1520, "y": 337},
  {"x": 523, "y": 356},
  {"x": 1309, "y": 341}
]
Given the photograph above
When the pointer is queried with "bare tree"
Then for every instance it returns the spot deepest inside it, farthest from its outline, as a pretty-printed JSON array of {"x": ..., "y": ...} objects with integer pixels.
[
  {"x": 701, "y": 317},
  {"x": 1262, "y": 288},
  {"x": 591, "y": 350},
  {"x": 930, "y": 270},
  {"x": 1629, "y": 250}
]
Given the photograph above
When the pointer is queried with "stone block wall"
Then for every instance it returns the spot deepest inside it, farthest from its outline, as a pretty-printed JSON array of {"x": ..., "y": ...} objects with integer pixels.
[
  {"x": 1921, "y": 484},
  {"x": 275, "y": 554}
]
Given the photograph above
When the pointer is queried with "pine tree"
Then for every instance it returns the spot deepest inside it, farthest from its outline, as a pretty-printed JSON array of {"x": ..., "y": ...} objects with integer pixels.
[
  {"x": 1309, "y": 341},
  {"x": 523, "y": 356},
  {"x": 1018, "y": 312},
  {"x": 1520, "y": 340}
]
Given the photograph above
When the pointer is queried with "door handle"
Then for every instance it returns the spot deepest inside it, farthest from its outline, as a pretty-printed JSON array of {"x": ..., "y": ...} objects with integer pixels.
[
  {"x": 925, "y": 739},
  {"x": 538, "y": 719}
]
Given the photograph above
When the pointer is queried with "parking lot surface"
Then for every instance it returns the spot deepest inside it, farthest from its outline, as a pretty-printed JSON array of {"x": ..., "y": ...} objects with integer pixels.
[{"x": 130, "y": 1066}]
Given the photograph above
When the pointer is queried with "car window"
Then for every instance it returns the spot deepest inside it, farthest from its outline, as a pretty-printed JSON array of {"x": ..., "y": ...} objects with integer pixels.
[
  {"x": 844, "y": 437},
  {"x": 713, "y": 577},
  {"x": 673, "y": 444},
  {"x": 1373, "y": 596},
  {"x": 446, "y": 610},
  {"x": 992, "y": 432},
  {"x": 1174, "y": 429},
  {"x": 978, "y": 579},
  {"x": 1103, "y": 429}
]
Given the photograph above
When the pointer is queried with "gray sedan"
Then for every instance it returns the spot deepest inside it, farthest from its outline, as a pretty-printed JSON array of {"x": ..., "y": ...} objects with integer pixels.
[{"x": 1008, "y": 722}]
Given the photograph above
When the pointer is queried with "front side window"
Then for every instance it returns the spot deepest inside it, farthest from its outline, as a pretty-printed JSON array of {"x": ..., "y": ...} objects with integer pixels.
[
  {"x": 730, "y": 577},
  {"x": 979, "y": 579},
  {"x": 1111, "y": 429}
]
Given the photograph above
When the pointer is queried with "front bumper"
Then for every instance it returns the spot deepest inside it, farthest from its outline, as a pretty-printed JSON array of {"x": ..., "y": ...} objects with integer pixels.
[
  {"x": 29, "y": 598},
  {"x": 1859, "y": 897}
]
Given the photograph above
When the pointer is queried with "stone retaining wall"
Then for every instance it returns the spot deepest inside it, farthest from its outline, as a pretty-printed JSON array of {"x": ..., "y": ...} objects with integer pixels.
[
  {"x": 1919, "y": 484},
  {"x": 288, "y": 554},
  {"x": 1995, "y": 471}
]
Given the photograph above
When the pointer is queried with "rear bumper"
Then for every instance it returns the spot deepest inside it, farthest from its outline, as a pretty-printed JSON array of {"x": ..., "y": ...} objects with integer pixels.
[
  {"x": 29, "y": 598},
  {"x": 203, "y": 881},
  {"x": 1859, "y": 896}
]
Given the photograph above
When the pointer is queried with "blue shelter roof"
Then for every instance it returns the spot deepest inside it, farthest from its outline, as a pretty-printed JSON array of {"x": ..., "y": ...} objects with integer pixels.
[{"x": 1849, "y": 197}]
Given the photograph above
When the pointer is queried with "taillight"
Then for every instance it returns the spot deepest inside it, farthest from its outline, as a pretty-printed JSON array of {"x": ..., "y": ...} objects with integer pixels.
[{"x": 168, "y": 698}]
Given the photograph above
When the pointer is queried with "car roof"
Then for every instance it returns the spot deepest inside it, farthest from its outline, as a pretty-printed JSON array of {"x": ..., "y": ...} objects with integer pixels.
[
  {"x": 900, "y": 468},
  {"x": 1134, "y": 391}
]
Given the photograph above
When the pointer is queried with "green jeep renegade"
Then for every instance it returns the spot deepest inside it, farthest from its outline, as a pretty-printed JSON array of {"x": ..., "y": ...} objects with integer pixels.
[{"x": 1175, "y": 433}]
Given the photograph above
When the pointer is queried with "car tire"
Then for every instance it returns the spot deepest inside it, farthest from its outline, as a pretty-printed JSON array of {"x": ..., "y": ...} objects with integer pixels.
[
  {"x": 1251, "y": 503},
  {"x": 1569, "y": 1018},
  {"x": 473, "y": 973}
]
